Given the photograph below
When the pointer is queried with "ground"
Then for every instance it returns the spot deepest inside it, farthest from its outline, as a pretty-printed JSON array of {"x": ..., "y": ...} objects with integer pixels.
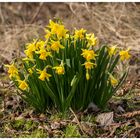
[{"x": 113, "y": 23}]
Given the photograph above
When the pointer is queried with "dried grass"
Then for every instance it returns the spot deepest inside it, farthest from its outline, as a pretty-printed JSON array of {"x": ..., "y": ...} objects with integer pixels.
[
  {"x": 114, "y": 23},
  {"x": 14, "y": 38}
]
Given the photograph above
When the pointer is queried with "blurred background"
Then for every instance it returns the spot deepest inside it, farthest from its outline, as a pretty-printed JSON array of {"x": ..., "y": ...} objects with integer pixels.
[{"x": 113, "y": 23}]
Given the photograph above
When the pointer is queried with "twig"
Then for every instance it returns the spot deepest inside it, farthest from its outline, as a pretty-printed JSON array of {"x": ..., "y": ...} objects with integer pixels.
[
  {"x": 129, "y": 131},
  {"x": 113, "y": 131},
  {"x": 86, "y": 6},
  {"x": 77, "y": 121},
  {"x": 130, "y": 114},
  {"x": 115, "y": 126},
  {"x": 2, "y": 17},
  {"x": 71, "y": 8},
  {"x": 37, "y": 12}
]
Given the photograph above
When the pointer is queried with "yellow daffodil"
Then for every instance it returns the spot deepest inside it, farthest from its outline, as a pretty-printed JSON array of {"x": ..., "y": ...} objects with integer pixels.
[
  {"x": 43, "y": 54},
  {"x": 22, "y": 84},
  {"x": 87, "y": 75},
  {"x": 57, "y": 29},
  {"x": 67, "y": 36},
  {"x": 55, "y": 46},
  {"x": 89, "y": 65},
  {"x": 30, "y": 70},
  {"x": 88, "y": 54},
  {"x": 59, "y": 69},
  {"x": 112, "y": 50},
  {"x": 13, "y": 71},
  {"x": 61, "y": 31},
  {"x": 40, "y": 44},
  {"x": 43, "y": 74},
  {"x": 113, "y": 80},
  {"x": 53, "y": 26},
  {"x": 29, "y": 51},
  {"x": 32, "y": 47},
  {"x": 32, "y": 44},
  {"x": 79, "y": 34},
  {"x": 48, "y": 34},
  {"x": 92, "y": 40},
  {"x": 124, "y": 55}
]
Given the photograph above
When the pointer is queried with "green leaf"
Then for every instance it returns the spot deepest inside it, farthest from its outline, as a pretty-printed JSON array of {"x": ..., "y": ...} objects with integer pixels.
[
  {"x": 74, "y": 84},
  {"x": 68, "y": 63}
]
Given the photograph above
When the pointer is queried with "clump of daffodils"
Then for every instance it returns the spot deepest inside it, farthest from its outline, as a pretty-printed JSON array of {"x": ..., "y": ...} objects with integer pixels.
[{"x": 68, "y": 70}]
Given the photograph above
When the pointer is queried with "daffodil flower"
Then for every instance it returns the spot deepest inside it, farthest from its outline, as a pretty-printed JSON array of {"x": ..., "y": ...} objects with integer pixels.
[
  {"x": 32, "y": 47},
  {"x": 29, "y": 51},
  {"x": 22, "y": 84},
  {"x": 55, "y": 46},
  {"x": 89, "y": 65},
  {"x": 13, "y": 71},
  {"x": 43, "y": 74},
  {"x": 87, "y": 75},
  {"x": 40, "y": 44},
  {"x": 48, "y": 34},
  {"x": 124, "y": 55},
  {"x": 79, "y": 34},
  {"x": 92, "y": 40},
  {"x": 43, "y": 54},
  {"x": 53, "y": 26},
  {"x": 30, "y": 70},
  {"x": 112, "y": 50},
  {"x": 113, "y": 80},
  {"x": 61, "y": 31},
  {"x": 59, "y": 69},
  {"x": 88, "y": 54},
  {"x": 57, "y": 29}
]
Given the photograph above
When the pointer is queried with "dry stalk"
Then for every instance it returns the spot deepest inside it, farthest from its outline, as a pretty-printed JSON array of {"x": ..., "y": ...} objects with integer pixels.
[
  {"x": 130, "y": 114},
  {"x": 77, "y": 121}
]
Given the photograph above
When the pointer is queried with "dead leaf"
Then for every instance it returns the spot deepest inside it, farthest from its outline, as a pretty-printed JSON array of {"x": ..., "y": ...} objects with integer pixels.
[
  {"x": 45, "y": 127},
  {"x": 55, "y": 125},
  {"x": 42, "y": 117},
  {"x": 63, "y": 123},
  {"x": 19, "y": 118},
  {"x": 105, "y": 119}
]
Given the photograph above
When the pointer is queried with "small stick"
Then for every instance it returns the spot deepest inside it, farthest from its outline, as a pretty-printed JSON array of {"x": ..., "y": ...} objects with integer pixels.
[
  {"x": 129, "y": 131},
  {"x": 77, "y": 121},
  {"x": 130, "y": 114},
  {"x": 37, "y": 12}
]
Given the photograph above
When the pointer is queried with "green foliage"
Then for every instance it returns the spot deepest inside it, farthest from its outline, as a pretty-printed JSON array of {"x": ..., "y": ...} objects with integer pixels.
[
  {"x": 35, "y": 134},
  {"x": 29, "y": 125},
  {"x": 71, "y": 131},
  {"x": 19, "y": 124}
]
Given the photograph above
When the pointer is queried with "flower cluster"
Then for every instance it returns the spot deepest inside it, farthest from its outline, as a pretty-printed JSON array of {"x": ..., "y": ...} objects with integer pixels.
[{"x": 57, "y": 68}]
